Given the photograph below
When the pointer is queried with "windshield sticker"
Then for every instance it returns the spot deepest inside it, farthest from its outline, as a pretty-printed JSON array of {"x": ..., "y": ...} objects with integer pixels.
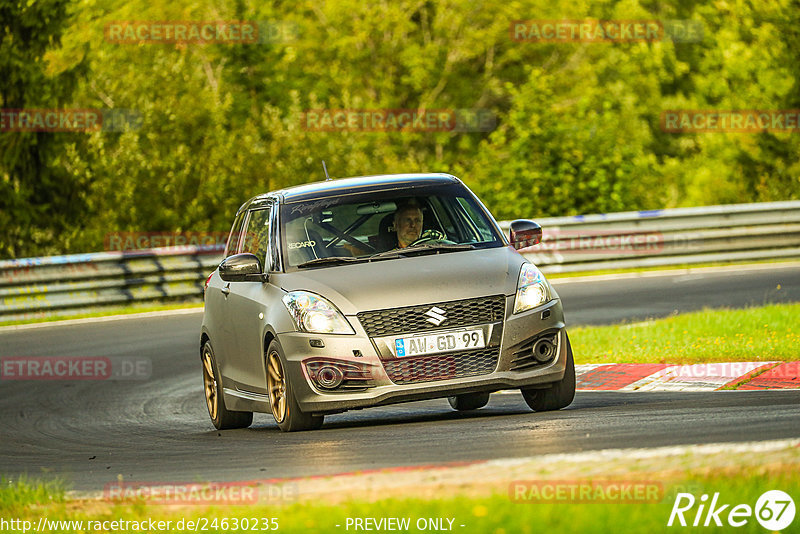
[
  {"x": 302, "y": 244},
  {"x": 310, "y": 207}
]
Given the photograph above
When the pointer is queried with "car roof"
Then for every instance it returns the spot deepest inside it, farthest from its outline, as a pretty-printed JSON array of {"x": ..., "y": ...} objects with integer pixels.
[{"x": 348, "y": 186}]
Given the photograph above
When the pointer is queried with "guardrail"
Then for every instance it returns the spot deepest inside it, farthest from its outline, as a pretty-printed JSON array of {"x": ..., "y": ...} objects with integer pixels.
[
  {"x": 64, "y": 285},
  {"x": 637, "y": 239},
  {"x": 81, "y": 283}
]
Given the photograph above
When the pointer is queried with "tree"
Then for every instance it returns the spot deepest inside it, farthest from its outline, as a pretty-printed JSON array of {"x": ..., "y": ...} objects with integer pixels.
[{"x": 40, "y": 201}]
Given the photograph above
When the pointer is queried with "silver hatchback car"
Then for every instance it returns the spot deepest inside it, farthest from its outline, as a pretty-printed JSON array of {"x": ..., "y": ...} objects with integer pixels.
[{"x": 361, "y": 292}]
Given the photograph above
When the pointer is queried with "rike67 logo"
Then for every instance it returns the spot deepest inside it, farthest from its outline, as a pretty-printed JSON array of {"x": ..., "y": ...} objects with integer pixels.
[{"x": 774, "y": 510}]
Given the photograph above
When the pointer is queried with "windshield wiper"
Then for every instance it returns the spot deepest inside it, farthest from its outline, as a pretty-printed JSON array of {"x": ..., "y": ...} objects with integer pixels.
[
  {"x": 329, "y": 261},
  {"x": 420, "y": 249},
  {"x": 389, "y": 254},
  {"x": 437, "y": 247},
  {"x": 386, "y": 255}
]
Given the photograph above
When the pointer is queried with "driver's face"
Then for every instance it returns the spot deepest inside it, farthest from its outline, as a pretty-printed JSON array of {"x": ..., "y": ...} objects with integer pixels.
[{"x": 408, "y": 223}]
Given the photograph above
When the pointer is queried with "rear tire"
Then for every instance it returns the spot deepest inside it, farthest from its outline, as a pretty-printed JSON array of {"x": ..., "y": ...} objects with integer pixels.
[
  {"x": 468, "y": 401},
  {"x": 560, "y": 395},
  {"x": 222, "y": 418},
  {"x": 282, "y": 402}
]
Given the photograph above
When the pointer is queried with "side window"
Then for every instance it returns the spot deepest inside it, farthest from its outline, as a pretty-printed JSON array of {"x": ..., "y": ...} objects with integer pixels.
[
  {"x": 442, "y": 215},
  {"x": 475, "y": 220},
  {"x": 256, "y": 238},
  {"x": 235, "y": 237}
]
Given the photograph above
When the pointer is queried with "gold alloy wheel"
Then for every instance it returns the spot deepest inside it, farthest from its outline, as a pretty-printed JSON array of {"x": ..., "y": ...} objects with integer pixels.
[
  {"x": 210, "y": 384},
  {"x": 276, "y": 383}
]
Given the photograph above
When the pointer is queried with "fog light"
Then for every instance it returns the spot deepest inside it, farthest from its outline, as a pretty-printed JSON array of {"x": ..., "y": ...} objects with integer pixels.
[
  {"x": 544, "y": 350},
  {"x": 329, "y": 377}
]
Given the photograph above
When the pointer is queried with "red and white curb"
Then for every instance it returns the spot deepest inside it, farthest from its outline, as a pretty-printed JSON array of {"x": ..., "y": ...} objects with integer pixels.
[{"x": 693, "y": 377}]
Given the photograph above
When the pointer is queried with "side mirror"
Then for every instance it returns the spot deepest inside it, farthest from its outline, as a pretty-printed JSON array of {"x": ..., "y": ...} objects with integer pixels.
[
  {"x": 243, "y": 267},
  {"x": 524, "y": 234}
]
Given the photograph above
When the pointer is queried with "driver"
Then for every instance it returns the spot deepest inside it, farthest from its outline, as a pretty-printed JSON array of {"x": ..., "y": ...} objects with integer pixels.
[{"x": 408, "y": 223}]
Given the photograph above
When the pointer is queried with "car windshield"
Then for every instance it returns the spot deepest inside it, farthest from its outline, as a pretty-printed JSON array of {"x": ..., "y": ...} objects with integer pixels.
[{"x": 384, "y": 225}]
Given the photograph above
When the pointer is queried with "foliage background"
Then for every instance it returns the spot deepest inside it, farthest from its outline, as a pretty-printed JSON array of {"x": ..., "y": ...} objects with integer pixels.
[{"x": 578, "y": 126}]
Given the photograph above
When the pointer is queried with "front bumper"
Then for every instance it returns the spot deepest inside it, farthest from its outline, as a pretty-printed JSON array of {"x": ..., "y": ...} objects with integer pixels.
[{"x": 511, "y": 338}]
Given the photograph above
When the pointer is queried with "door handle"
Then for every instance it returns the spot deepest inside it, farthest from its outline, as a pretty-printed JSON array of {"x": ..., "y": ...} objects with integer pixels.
[{"x": 226, "y": 290}]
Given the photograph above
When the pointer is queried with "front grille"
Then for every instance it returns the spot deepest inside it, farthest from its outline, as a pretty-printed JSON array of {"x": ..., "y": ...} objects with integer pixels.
[
  {"x": 397, "y": 321},
  {"x": 442, "y": 366}
]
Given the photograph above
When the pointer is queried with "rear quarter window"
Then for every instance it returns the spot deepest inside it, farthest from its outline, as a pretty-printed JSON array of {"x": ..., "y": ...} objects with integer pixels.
[{"x": 235, "y": 236}]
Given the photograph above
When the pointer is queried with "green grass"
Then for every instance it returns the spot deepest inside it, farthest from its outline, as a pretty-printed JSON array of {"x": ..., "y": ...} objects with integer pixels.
[
  {"x": 17, "y": 496},
  {"x": 769, "y": 333},
  {"x": 681, "y": 267},
  {"x": 105, "y": 312},
  {"x": 496, "y": 513}
]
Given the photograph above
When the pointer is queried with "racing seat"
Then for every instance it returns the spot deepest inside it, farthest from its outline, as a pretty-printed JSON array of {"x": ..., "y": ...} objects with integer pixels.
[
  {"x": 308, "y": 252},
  {"x": 387, "y": 235}
]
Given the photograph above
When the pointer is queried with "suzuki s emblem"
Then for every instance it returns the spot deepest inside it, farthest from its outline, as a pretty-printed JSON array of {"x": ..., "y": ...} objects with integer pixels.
[{"x": 436, "y": 316}]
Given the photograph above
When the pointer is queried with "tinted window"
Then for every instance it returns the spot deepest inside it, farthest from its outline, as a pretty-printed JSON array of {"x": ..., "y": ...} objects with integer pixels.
[
  {"x": 232, "y": 246},
  {"x": 256, "y": 237}
]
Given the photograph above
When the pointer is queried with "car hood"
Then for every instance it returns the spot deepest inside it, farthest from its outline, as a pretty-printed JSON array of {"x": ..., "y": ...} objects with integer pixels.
[{"x": 411, "y": 281}]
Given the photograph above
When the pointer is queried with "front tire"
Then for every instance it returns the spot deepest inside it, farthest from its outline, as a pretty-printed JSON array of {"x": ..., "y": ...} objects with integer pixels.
[
  {"x": 285, "y": 410},
  {"x": 468, "y": 401},
  {"x": 221, "y": 417},
  {"x": 560, "y": 395}
]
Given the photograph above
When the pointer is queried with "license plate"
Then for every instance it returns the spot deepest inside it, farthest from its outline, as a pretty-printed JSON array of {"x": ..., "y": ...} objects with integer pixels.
[{"x": 436, "y": 343}]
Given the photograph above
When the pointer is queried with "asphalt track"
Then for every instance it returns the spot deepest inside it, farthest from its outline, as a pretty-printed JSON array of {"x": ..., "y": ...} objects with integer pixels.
[
  {"x": 652, "y": 295},
  {"x": 157, "y": 430}
]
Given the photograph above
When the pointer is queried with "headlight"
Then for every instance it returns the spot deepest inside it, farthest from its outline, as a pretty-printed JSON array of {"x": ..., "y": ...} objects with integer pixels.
[
  {"x": 532, "y": 289},
  {"x": 312, "y": 313}
]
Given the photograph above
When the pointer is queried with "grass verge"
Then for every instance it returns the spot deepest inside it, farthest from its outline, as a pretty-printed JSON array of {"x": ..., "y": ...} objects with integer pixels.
[
  {"x": 769, "y": 333},
  {"x": 106, "y": 312},
  {"x": 688, "y": 267},
  {"x": 501, "y": 512}
]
